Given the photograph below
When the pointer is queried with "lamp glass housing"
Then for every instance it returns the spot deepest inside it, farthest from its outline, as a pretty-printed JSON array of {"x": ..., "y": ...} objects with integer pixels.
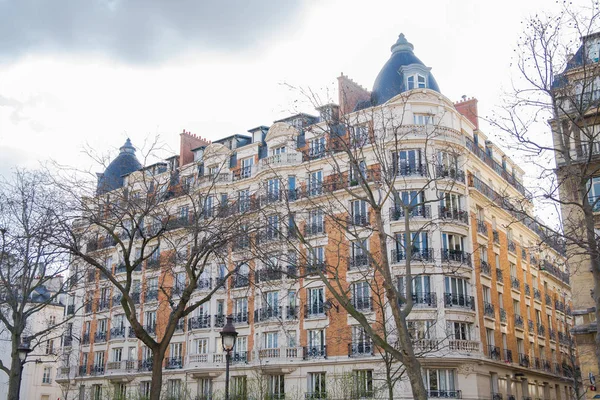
[{"x": 228, "y": 341}]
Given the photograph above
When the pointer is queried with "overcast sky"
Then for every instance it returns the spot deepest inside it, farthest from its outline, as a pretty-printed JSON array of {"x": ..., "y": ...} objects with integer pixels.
[{"x": 76, "y": 73}]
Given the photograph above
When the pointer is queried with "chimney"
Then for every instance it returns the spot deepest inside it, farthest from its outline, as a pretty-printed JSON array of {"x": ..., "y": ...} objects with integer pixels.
[
  {"x": 187, "y": 142},
  {"x": 468, "y": 108},
  {"x": 350, "y": 94}
]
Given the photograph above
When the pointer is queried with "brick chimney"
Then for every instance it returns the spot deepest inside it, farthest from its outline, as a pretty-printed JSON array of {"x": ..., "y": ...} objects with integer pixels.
[
  {"x": 468, "y": 108},
  {"x": 187, "y": 142},
  {"x": 350, "y": 94}
]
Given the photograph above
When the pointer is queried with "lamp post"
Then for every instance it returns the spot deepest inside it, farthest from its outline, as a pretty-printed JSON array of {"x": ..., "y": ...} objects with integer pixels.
[
  {"x": 23, "y": 350},
  {"x": 228, "y": 335}
]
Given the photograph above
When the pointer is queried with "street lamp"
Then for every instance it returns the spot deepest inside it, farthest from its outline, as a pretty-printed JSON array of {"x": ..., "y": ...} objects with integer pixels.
[
  {"x": 23, "y": 350},
  {"x": 228, "y": 335}
]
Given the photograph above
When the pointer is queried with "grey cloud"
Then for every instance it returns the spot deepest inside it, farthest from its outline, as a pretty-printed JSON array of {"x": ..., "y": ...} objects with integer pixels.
[
  {"x": 139, "y": 30},
  {"x": 18, "y": 110}
]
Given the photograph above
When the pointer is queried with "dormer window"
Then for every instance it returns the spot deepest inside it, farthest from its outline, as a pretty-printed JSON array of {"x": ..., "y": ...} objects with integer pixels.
[
  {"x": 593, "y": 49},
  {"x": 416, "y": 81}
]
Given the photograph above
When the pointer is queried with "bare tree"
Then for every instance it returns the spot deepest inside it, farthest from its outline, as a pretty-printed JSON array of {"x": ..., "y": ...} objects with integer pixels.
[
  {"x": 32, "y": 289},
  {"x": 169, "y": 220},
  {"x": 556, "y": 84},
  {"x": 361, "y": 176}
]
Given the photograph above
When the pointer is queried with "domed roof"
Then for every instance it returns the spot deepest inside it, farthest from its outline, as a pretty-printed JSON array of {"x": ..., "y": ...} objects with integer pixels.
[
  {"x": 125, "y": 163},
  {"x": 391, "y": 80}
]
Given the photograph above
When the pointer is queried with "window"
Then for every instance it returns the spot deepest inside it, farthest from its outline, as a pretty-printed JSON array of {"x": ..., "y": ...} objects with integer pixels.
[
  {"x": 150, "y": 319},
  {"x": 47, "y": 375},
  {"x": 145, "y": 388},
  {"x": 120, "y": 391},
  {"x": 278, "y": 150},
  {"x": 420, "y": 246},
  {"x": 420, "y": 329},
  {"x": 97, "y": 392},
  {"x": 316, "y": 339},
  {"x": 292, "y": 339},
  {"x": 315, "y": 301},
  {"x": 271, "y": 340},
  {"x": 421, "y": 289},
  {"x": 316, "y": 385},
  {"x": 316, "y": 257},
  {"x": 239, "y": 387},
  {"x": 450, "y": 202},
  {"x": 452, "y": 242},
  {"x": 201, "y": 346},
  {"x": 594, "y": 193},
  {"x": 175, "y": 353},
  {"x": 487, "y": 294},
  {"x": 316, "y": 147},
  {"x": 415, "y": 81},
  {"x": 117, "y": 354},
  {"x": 204, "y": 389},
  {"x": 246, "y": 169},
  {"x": 363, "y": 384},
  {"x": 244, "y": 200},
  {"x": 99, "y": 359},
  {"x": 273, "y": 227},
  {"x": 358, "y": 209},
  {"x": 275, "y": 387},
  {"x": 356, "y": 172},
  {"x": 360, "y": 135},
  {"x": 315, "y": 222},
  {"x": 408, "y": 162},
  {"x": 241, "y": 346},
  {"x": 460, "y": 330},
  {"x": 179, "y": 283},
  {"x": 440, "y": 382},
  {"x": 361, "y": 296},
  {"x": 593, "y": 49},
  {"x": 49, "y": 347},
  {"x": 174, "y": 388},
  {"x": 457, "y": 292},
  {"x": 315, "y": 183},
  {"x": 241, "y": 309},
  {"x": 273, "y": 190},
  {"x": 358, "y": 253},
  {"x": 422, "y": 119},
  {"x": 118, "y": 321}
]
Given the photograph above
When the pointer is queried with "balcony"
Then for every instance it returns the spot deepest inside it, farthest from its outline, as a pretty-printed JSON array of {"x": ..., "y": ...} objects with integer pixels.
[
  {"x": 314, "y": 229},
  {"x": 456, "y": 256},
  {"x": 442, "y": 171},
  {"x": 468, "y": 346},
  {"x": 530, "y": 326},
  {"x": 117, "y": 333},
  {"x": 444, "y": 394},
  {"x": 482, "y": 228},
  {"x": 277, "y": 160},
  {"x": 153, "y": 263},
  {"x": 145, "y": 365},
  {"x": 268, "y": 314},
  {"x": 502, "y": 315},
  {"x": 204, "y": 284},
  {"x": 494, "y": 352},
  {"x": 495, "y": 236},
  {"x": 418, "y": 254},
  {"x": 359, "y": 219},
  {"x": 454, "y": 214},
  {"x": 291, "y": 313},
  {"x": 488, "y": 310},
  {"x": 71, "y": 309},
  {"x": 241, "y": 242},
  {"x": 537, "y": 295},
  {"x": 425, "y": 345},
  {"x": 519, "y": 323},
  {"x": 459, "y": 300},
  {"x": 83, "y": 370},
  {"x": 219, "y": 321},
  {"x": 424, "y": 299},
  {"x": 116, "y": 300},
  {"x": 524, "y": 360},
  {"x": 496, "y": 396},
  {"x": 269, "y": 275},
  {"x": 97, "y": 370},
  {"x": 240, "y": 318},
  {"x": 199, "y": 322},
  {"x": 499, "y": 275},
  {"x": 85, "y": 339},
  {"x": 548, "y": 300},
  {"x": 512, "y": 247},
  {"x": 67, "y": 341},
  {"x": 135, "y": 297},
  {"x": 150, "y": 328},
  {"x": 240, "y": 281},
  {"x": 398, "y": 213},
  {"x": 314, "y": 268},
  {"x": 115, "y": 367},
  {"x": 244, "y": 173},
  {"x": 314, "y": 310},
  {"x": 552, "y": 334},
  {"x": 315, "y": 395},
  {"x": 362, "y": 303},
  {"x": 527, "y": 289},
  {"x": 357, "y": 261},
  {"x": 508, "y": 358},
  {"x": 360, "y": 349},
  {"x": 239, "y": 357},
  {"x": 515, "y": 283},
  {"x": 485, "y": 268},
  {"x": 555, "y": 271},
  {"x": 131, "y": 333},
  {"x": 312, "y": 352},
  {"x": 174, "y": 363}
]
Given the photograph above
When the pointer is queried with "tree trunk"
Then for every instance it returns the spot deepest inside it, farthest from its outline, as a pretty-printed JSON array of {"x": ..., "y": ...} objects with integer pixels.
[
  {"x": 14, "y": 377},
  {"x": 158, "y": 356}
]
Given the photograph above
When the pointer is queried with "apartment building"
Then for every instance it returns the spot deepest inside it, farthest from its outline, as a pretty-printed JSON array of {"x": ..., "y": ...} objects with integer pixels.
[
  {"x": 492, "y": 306},
  {"x": 576, "y": 141}
]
